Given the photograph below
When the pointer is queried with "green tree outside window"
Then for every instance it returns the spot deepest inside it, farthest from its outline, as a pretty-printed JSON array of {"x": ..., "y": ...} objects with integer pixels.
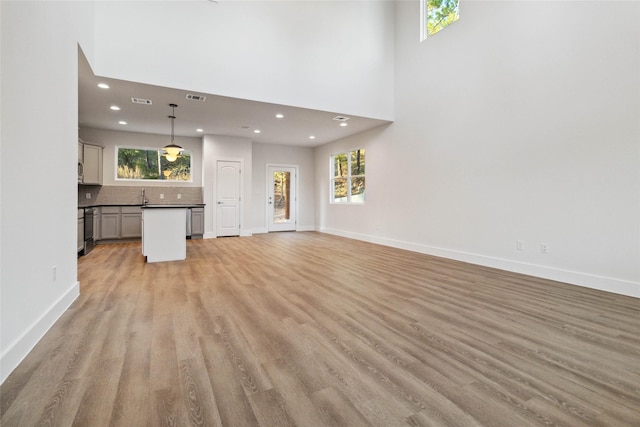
[
  {"x": 150, "y": 164},
  {"x": 440, "y": 14}
]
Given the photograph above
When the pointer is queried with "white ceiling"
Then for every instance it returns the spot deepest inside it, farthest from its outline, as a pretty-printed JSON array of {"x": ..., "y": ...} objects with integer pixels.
[{"x": 217, "y": 115}]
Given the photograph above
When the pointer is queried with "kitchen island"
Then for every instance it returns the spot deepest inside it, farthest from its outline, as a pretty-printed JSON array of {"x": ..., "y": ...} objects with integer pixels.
[{"x": 163, "y": 232}]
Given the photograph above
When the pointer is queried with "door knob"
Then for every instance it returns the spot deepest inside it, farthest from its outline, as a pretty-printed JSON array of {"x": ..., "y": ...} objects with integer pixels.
[{"x": 219, "y": 203}]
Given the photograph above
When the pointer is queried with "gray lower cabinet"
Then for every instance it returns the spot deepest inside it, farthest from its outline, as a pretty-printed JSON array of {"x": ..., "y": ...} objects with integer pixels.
[
  {"x": 110, "y": 222},
  {"x": 197, "y": 222},
  {"x": 130, "y": 222},
  {"x": 80, "y": 230},
  {"x": 96, "y": 225},
  {"x": 120, "y": 222}
]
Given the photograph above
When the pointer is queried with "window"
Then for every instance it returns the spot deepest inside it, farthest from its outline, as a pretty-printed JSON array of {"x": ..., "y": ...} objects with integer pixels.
[
  {"x": 436, "y": 15},
  {"x": 347, "y": 177},
  {"x": 149, "y": 164}
]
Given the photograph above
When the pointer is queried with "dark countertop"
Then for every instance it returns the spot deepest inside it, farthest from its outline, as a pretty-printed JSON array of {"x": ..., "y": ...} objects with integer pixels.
[
  {"x": 171, "y": 206},
  {"x": 154, "y": 205}
]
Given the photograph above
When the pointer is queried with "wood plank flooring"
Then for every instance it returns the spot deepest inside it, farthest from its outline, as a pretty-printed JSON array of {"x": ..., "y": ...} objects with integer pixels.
[{"x": 309, "y": 329}]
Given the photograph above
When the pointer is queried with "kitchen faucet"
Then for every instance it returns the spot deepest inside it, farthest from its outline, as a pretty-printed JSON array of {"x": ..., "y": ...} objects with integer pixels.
[{"x": 144, "y": 199}]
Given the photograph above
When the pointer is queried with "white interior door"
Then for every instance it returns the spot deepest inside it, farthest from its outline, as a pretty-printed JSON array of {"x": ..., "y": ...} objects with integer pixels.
[
  {"x": 282, "y": 198},
  {"x": 228, "y": 198}
]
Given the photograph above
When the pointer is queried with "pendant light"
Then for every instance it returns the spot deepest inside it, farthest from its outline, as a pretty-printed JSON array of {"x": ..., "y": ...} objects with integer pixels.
[{"x": 172, "y": 151}]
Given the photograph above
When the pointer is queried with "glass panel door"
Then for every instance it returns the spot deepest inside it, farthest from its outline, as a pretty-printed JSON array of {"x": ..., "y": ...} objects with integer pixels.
[{"x": 281, "y": 198}]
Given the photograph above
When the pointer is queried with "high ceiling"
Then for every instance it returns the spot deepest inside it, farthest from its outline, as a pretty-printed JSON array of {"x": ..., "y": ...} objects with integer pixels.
[{"x": 218, "y": 115}]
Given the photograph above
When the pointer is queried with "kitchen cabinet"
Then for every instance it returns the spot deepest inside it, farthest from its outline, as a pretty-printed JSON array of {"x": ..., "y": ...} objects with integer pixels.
[
  {"x": 80, "y": 165},
  {"x": 110, "y": 222},
  {"x": 96, "y": 225},
  {"x": 197, "y": 222},
  {"x": 131, "y": 222},
  {"x": 91, "y": 163},
  {"x": 80, "y": 230},
  {"x": 120, "y": 222},
  {"x": 163, "y": 238}
]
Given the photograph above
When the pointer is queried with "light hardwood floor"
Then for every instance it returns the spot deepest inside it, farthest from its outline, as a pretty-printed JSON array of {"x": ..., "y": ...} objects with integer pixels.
[{"x": 310, "y": 329}]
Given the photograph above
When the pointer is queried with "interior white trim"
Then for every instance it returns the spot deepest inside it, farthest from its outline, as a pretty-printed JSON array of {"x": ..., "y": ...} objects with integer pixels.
[
  {"x": 18, "y": 350},
  {"x": 607, "y": 284}
]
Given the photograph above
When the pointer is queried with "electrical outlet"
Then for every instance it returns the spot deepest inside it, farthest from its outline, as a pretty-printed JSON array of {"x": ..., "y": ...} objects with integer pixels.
[
  {"x": 161, "y": 196},
  {"x": 87, "y": 195},
  {"x": 520, "y": 245},
  {"x": 54, "y": 272},
  {"x": 544, "y": 248},
  {"x": 179, "y": 196}
]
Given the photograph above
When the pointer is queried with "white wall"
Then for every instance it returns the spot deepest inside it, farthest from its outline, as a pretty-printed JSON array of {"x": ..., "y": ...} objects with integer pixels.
[
  {"x": 217, "y": 147},
  {"x": 327, "y": 55},
  {"x": 110, "y": 139},
  {"x": 518, "y": 122},
  {"x": 39, "y": 133},
  {"x": 302, "y": 157}
]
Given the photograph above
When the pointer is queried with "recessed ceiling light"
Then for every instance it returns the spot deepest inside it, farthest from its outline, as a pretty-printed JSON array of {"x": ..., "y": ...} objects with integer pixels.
[
  {"x": 199, "y": 130},
  {"x": 256, "y": 131},
  {"x": 122, "y": 122},
  {"x": 343, "y": 124},
  {"x": 312, "y": 137},
  {"x": 279, "y": 116},
  {"x": 115, "y": 108},
  {"x": 103, "y": 86}
]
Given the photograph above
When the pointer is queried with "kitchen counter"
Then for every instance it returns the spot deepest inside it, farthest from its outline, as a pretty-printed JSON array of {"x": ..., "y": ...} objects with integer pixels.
[
  {"x": 167, "y": 206},
  {"x": 163, "y": 232},
  {"x": 155, "y": 205}
]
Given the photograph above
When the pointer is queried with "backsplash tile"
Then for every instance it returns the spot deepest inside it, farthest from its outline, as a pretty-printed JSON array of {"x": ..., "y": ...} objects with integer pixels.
[{"x": 126, "y": 195}]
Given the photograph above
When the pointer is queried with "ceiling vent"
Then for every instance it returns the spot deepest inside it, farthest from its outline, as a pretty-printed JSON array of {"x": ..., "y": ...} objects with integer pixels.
[
  {"x": 341, "y": 118},
  {"x": 141, "y": 101},
  {"x": 196, "y": 97}
]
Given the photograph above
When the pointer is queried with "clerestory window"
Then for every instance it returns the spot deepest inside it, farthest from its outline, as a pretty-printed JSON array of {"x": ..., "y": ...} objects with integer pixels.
[{"x": 435, "y": 15}]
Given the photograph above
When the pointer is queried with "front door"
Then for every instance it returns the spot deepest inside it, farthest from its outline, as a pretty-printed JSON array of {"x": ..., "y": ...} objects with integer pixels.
[
  {"x": 228, "y": 198},
  {"x": 281, "y": 198}
]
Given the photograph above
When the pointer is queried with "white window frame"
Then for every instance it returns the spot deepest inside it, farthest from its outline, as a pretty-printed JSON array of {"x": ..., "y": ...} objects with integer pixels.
[{"x": 332, "y": 178}]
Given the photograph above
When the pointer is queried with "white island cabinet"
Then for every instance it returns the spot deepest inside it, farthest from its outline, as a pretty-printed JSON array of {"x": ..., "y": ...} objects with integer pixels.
[{"x": 163, "y": 233}]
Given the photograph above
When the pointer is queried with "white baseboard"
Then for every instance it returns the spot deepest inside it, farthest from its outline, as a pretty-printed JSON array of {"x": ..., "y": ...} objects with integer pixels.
[
  {"x": 243, "y": 233},
  {"x": 264, "y": 230},
  {"x": 586, "y": 280},
  {"x": 19, "y": 349}
]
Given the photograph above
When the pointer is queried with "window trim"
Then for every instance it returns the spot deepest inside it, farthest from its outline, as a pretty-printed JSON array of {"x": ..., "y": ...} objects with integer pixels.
[
  {"x": 159, "y": 150},
  {"x": 348, "y": 177}
]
